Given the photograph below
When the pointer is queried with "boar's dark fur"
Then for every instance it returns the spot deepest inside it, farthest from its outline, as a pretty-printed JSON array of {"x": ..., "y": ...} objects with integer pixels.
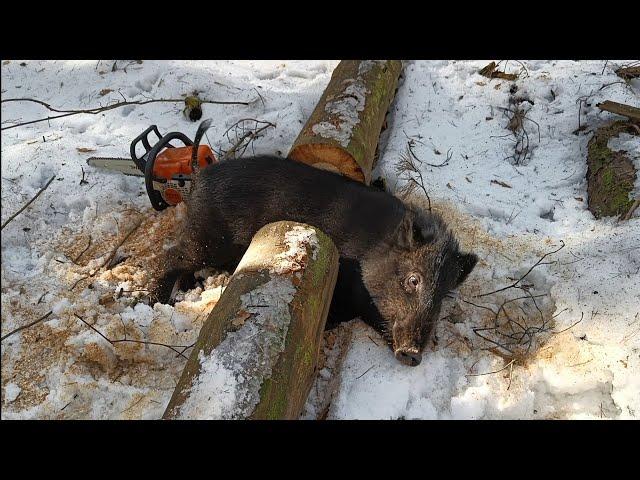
[{"x": 396, "y": 263}]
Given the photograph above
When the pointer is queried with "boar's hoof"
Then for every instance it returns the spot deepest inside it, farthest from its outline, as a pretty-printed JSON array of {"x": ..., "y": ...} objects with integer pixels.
[{"x": 408, "y": 356}]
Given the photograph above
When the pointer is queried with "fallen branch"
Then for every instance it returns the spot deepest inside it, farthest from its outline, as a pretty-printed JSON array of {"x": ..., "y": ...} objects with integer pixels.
[
  {"x": 44, "y": 317},
  {"x": 96, "y": 110},
  {"x": 28, "y": 203},
  {"x": 517, "y": 282},
  {"x": 410, "y": 145},
  {"x": 628, "y": 73},
  {"x": 242, "y": 141},
  {"x": 407, "y": 167}
]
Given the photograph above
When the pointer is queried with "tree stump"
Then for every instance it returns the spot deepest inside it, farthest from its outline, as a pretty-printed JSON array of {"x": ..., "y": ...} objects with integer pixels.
[
  {"x": 257, "y": 352},
  {"x": 342, "y": 133}
]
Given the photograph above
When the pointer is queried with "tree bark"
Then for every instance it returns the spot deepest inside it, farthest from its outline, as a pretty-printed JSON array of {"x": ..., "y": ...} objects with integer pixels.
[
  {"x": 632, "y": 113},
  {"x": 343, "y": 131},
  {"x": 263, "y": 336},
  {"x": 610, "y": 174}
]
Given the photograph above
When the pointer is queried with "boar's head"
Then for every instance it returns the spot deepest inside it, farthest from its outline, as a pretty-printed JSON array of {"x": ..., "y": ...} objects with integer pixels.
[{"x": 407, "y": 277}]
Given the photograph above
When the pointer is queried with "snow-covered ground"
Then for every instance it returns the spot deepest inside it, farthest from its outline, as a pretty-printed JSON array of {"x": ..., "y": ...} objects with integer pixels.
[{"x": 510, "y": 215}]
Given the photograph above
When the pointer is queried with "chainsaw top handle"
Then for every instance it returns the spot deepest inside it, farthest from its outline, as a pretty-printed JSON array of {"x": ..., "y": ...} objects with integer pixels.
[
  {"x": 150, "y": 158},
  {"x": 144, "y": 138}
]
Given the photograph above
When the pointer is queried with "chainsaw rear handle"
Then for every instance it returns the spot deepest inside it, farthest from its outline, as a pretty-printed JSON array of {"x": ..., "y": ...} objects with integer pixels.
[{"x": 147, "y": 166}]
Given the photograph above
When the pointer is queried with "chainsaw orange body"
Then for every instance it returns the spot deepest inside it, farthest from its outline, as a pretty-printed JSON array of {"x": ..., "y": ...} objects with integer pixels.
[
  {"x": 172, "y": 171},
  {"x": 168, "y": 170}
]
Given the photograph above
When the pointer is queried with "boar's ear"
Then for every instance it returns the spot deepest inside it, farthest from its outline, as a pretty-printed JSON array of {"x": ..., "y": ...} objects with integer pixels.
[
  {"x": 409, "y": 234},
  {"x": 467, "y": 262}
]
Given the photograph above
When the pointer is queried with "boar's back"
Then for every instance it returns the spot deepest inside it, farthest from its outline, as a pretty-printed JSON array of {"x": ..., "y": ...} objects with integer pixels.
[{"x": 238, "y": 197}]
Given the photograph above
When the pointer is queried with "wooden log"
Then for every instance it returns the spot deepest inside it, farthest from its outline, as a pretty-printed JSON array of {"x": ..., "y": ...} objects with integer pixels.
[
  {"x": 611, "y": 174},
  {"x": 342, "y": 133},
  {"x": 632, "y": 113},
  {"x": 257, "y": 352},
  {"x": 628, "y": 73}
]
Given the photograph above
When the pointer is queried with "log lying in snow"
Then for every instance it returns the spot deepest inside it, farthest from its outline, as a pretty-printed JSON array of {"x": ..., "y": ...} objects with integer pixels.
[
  {"x": 342, "y": 133},
  {"x": 611, "y": 175},
  {"x": 632, "y": 113},
  {"x": 257, "y": 352}
]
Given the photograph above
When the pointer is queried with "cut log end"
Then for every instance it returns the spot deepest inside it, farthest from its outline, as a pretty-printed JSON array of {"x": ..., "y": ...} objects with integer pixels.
[
  {"x": 328, "y": 157},
  {"x": 342, "y": 133}
]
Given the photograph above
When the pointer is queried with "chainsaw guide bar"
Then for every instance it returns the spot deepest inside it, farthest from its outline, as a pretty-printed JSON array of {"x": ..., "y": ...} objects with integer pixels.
[{"x": 166, "y": 169}]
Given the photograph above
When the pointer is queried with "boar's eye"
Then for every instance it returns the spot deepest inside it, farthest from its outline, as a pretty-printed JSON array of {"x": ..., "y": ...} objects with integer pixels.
[{"x": 411, "y": 282}]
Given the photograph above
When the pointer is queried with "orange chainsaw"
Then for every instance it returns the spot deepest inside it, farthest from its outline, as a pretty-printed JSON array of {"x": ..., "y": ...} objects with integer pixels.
[{"x": 167, "y": 169}]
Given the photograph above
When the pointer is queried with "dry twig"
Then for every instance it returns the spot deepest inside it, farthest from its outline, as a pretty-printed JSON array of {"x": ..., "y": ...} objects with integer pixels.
[
  {"x": 410, "y": 172},
  {"x": 35, "y": 322},
  {"x": 125, "y": 339},
  {"x": 243, "y": 137},
  {"x": 28, "y": 203},
  {"x": 96, "y": 110}
]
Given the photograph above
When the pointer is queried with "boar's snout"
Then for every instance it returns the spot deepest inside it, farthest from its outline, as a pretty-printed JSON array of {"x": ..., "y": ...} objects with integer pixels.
[{"x": 409, "y": 356}]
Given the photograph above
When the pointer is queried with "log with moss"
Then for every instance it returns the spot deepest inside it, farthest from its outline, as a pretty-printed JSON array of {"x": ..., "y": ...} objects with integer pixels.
[
  {"x": 632, "y": 113},
  {"x": 256, "y": 355},
  {"x": 342, "y": 133},
  {"x": 611, "y": 174}
]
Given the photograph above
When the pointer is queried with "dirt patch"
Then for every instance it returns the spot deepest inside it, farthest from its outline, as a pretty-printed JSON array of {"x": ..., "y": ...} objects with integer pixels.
[{"x": 610, "y": 175}]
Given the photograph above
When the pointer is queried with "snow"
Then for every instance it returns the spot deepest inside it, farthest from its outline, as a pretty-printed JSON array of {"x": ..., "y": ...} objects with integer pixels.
[
  {"x": 11, "y": 392},
  {"x": 62, "y": 369}
]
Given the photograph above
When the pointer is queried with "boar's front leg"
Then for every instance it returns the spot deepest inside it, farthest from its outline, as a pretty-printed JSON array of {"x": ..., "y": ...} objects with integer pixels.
[
  {"x": 197, "y": 249},
  {"x": 176, "y": 270}
]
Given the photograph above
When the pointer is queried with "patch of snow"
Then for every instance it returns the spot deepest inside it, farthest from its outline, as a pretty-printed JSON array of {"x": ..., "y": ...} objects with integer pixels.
[{"x": 11, "y": 392}]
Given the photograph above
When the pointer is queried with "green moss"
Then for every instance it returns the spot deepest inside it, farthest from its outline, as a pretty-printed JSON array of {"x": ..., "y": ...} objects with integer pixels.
[
  {"x": 607, "y": 178},
  {"x": 608, "y": 174},
  {"x": 277, "y": 407}
]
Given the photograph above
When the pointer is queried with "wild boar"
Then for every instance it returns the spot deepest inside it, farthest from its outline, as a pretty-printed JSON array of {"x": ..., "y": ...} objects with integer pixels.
[{"x": 396, "y": 263}]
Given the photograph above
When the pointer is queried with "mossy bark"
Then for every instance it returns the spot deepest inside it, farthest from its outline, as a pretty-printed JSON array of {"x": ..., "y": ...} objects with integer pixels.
[
  {"x": 632, "y": 113},
  {"x": 610, "y": 175},
  {"x": 283, "y": 394},
  {"x": 342, "y": 133}
]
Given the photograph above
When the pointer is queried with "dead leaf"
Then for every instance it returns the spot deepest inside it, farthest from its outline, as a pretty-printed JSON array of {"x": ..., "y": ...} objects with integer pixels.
[
  {"x": 106, "y": 299},
  {"x": 580, "y": 199},
  {"x": 104, "y": 91},
  {"x": 85, "y": 150},
  {"x": 491, "y": 72},
  {"x": 241, "y": 317}
]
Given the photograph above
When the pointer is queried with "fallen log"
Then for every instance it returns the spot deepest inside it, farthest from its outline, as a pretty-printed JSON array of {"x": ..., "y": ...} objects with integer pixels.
[
  {"x": 611, "y": 174},
  {"x": 256, "y": 355},
  {"x": 627, "y": 73},
  {"x": 342, "y": 133},
  {"x": 632, "y": 113}
]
